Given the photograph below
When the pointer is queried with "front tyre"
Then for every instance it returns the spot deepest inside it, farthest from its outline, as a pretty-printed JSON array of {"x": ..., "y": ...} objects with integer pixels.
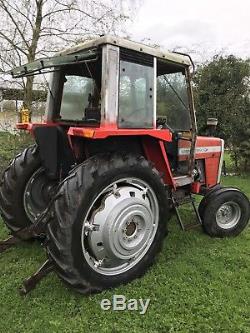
[
  {"x": 110, "y": 222},
  {"x": 227, "y": 213},
  {"x": 206, "y": 198}
]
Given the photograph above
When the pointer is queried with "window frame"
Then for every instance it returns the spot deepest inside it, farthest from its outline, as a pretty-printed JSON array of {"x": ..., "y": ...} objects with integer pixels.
[
  {"x": 80, "y": 94},
  {"x": 53, "y": 105},
  {"x": 190, "y": 105}
]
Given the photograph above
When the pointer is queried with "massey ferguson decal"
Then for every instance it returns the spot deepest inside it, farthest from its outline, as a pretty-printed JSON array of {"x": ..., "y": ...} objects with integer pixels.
[{"x": 200, "y": 150}]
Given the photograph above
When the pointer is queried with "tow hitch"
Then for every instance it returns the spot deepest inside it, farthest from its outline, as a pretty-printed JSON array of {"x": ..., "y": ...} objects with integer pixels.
[{"x": 37, "y": 231}]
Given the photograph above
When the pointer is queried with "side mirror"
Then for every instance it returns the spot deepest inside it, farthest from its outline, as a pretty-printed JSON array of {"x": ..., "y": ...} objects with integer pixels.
[{"x": 211, "y": 126}]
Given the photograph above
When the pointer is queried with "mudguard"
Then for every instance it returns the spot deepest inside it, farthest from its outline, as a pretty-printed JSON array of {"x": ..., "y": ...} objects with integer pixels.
[{"x": 56, "y": 155}]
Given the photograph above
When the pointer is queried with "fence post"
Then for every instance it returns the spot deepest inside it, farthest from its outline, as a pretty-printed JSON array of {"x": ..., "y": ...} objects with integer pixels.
[{"x": 224, "y": 169}]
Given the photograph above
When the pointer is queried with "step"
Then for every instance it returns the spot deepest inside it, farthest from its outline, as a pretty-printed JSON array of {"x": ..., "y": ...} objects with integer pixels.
[
  {"x": 191, "y": 201},
  {"x": 183, "y": 180}
]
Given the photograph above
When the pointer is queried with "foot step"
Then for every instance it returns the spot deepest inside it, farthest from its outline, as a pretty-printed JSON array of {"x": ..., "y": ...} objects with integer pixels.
[{"x": 187, "y": 200}]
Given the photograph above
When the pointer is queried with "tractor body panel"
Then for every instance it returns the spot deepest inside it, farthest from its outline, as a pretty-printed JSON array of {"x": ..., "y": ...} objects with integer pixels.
[
  {"x": 209, "y": 151},
  {"x": 152, "y": 143}
]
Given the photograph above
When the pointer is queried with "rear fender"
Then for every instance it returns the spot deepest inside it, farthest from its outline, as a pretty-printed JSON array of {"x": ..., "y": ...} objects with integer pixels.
[{"x": 55, "y": 151}]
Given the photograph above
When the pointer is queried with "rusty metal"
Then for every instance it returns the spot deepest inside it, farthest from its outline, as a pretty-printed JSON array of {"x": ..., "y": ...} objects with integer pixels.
[
  {"x": 193, "y": 122},
  {"x": 31, "y": 282},
  {"x": 34, "y": 231},
  {"x": 8, "y": 243}
]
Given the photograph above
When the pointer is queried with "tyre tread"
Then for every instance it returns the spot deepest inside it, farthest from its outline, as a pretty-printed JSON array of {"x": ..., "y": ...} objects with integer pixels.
[{"x": 59, "y": 230}]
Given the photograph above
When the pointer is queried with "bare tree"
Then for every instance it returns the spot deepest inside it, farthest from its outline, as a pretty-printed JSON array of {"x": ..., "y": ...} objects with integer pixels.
[{"x": 30, "y": 29}]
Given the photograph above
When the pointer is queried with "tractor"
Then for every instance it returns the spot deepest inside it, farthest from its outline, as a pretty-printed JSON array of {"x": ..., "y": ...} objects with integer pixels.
[{"x": 116, "y": 155}]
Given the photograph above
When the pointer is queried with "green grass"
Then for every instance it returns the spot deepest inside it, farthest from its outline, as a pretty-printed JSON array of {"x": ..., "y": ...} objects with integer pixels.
[
  {"x": 229, "y": 162},
  {"x": 198, "y": 284}
]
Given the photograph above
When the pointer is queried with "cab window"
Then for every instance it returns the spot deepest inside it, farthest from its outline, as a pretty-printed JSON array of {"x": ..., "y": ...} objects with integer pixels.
[
  {"x": 135, "y": 95},
  {"x": 172, "y": 97}
]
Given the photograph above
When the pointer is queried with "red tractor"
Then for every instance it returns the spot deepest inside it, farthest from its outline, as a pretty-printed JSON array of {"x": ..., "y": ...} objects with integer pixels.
[{"x": 117, "y": 152}]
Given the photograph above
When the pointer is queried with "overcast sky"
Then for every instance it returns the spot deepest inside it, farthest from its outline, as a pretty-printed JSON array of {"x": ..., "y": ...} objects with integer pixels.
[{"x": 208, "y": 26}]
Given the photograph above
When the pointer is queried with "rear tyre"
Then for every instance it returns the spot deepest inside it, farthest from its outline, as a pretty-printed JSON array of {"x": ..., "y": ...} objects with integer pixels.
[
  {"x": 227, "y": 213},
  {"x": 25, "y": 190},
  {"x": 110, "y": 222}
]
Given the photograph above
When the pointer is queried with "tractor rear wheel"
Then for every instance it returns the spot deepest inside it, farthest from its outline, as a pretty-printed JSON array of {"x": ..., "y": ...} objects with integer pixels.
[
  {"x": 226, "y": 213},
  {"x": 25, "y": 190},
  {"x": 110, "y": 222}
]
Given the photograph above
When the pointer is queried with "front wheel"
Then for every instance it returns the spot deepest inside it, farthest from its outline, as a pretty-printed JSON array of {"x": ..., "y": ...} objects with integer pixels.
[
  {"x": 226, "y": 213},
  {"x": 110, "y": 222}
]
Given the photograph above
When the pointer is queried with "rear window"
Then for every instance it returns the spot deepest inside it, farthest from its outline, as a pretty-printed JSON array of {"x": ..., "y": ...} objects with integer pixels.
[{"x": 136, "y": 95}]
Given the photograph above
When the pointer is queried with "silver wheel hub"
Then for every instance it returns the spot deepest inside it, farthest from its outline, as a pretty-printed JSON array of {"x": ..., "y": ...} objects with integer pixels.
[
  {"x": 120, "y": 231},
  {"x": 37, "y": 194},
  {"x": 228, "y": 215}
]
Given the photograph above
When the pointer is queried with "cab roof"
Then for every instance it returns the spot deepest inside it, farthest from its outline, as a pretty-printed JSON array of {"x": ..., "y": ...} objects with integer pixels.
[
  {"x": 128, "y": 44},
  {"x": 88, "y": 51}
]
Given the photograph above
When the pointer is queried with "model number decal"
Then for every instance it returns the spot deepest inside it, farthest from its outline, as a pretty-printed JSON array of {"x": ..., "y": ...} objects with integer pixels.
[{"x": 200, "y": 150}]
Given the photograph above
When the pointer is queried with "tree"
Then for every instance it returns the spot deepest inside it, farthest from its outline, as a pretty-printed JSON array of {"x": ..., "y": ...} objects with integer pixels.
[
  {"x": 30, "y": 29},
  {"x": 244, "y": 147},
  {"x": 222, "y": 91}
]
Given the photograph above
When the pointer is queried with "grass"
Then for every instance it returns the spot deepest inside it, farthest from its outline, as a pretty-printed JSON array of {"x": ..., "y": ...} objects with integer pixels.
[
  {"x": 11, "y": 145},
  {"x": 198, "y": 284}
]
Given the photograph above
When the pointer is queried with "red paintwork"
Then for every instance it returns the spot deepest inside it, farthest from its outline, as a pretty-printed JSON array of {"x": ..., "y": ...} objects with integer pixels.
[
  {"x": 212, "y": 159},
  {"x": 201, "y": 141},
  {"x": 103, "y": 133},
  {"x": 31, "y": 126},
  {"x": 155, "y": 152},
  {"x": 24, "y": 126},
  {"x": 211, "y": 170},
  {"x": 153, "y": 145},
  {"x": 196, "y": 187}
]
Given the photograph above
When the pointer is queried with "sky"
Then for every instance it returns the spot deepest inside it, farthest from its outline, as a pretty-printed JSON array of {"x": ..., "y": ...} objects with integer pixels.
[{"x": 201, "y": 27}]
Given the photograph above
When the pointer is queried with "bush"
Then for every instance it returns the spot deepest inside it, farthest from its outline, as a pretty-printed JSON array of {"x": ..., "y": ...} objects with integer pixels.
[{"x": 11, "y": 145}]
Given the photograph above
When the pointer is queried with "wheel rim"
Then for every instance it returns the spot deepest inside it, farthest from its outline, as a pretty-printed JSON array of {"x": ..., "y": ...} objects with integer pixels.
[
  {"x": 228, "y": 215},
  {"x": 120, "y": 226},
  {"x": 37, "y": 194}
]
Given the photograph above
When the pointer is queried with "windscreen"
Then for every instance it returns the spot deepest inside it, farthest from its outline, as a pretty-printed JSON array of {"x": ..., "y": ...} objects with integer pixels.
[{"x": 172, "y": 100}]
